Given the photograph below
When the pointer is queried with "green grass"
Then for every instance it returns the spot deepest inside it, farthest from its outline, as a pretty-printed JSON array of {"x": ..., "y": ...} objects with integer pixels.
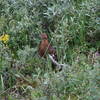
[{"x": 73, "y": 28}]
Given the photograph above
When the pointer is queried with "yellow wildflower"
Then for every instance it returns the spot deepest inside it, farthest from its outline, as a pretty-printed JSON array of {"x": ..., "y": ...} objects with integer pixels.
[{"x": 4, "y": 38}]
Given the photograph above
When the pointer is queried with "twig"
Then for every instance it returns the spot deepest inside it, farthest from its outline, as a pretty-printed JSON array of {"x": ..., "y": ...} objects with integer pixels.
[{"x": 56, "y": 63}]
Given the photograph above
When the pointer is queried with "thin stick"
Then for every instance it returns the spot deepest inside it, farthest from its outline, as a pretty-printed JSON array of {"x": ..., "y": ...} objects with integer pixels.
[{"x": 56, "y": 63}]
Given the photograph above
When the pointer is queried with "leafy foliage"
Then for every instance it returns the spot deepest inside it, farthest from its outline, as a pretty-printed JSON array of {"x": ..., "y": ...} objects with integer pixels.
[{"x": 73, "y": 27}]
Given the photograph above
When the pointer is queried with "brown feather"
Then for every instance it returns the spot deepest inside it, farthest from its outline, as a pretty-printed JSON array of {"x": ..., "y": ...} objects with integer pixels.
[{"x": 45, "y": 47}]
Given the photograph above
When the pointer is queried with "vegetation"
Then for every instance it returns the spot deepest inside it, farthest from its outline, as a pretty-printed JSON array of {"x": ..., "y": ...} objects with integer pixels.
[{"x": 73, "y": 27}]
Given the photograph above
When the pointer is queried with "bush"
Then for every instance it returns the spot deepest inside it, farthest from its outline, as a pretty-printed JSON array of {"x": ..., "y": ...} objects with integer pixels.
[{"x": 73, "y": 29}]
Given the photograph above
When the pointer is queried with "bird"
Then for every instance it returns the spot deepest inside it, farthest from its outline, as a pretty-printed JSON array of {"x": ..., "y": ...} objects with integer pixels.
[
  {"x": 44, "y": 45},
  {"x": 46, "y": 48}
]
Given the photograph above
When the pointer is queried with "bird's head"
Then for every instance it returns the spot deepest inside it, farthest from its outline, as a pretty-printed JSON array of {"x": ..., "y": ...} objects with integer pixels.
[{"x": 43, "y": 36}]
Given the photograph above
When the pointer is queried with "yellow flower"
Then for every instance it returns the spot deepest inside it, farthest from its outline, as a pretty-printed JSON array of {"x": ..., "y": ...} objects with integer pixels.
[{"x": 4, "y": 38}]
